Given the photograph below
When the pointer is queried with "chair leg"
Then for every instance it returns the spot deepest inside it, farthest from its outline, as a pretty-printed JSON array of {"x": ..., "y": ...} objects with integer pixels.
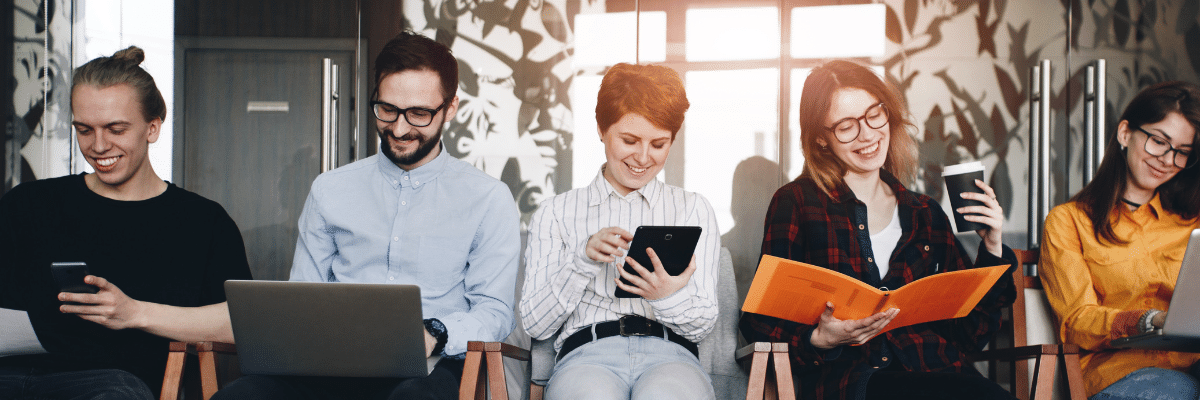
[
  {"x": 1043, "y": 377},
  {"x": 758, "y": 376},
  {"x": 208, "y": 374},
  {"x": 495, "y": 375},
  {"x": 472, "y": 375},
  {"x": 173, "y": 377},
  {"x": 783, "y": 371},
  {"x": 536, "y": 392},
  {"x": 1074, "y": 376}
]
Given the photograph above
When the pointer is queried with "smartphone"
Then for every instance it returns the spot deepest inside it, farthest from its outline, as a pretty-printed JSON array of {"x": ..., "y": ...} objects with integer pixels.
[
  {"x": 69, "y": 276},
  {"x": 674, "y": 246}
]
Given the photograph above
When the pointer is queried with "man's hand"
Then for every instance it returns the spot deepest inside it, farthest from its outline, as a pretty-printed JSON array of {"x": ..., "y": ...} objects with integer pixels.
[
  {"x": 430, "y": 343},
  {"x": 109, "y": 307},
  {"x": 654, "y": 285},
  {"x": 832, "y": 332},
  {"x": 603, "y": 245}
]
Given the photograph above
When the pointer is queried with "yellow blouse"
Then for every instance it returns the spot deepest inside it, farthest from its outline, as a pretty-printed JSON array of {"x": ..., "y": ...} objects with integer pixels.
[{"x": 1099, "y": 290}]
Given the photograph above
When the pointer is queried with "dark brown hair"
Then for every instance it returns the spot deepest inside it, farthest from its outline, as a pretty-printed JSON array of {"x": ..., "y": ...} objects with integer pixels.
[{"x": 412, "y": 51}]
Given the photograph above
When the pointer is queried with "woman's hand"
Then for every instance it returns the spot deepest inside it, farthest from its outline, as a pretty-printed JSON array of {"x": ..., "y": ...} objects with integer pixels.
[
  {"x": 654, "y": 285},
  {"x": 604, "y": 245},
  {"x": 989, "y": 214},
  {"x": 832, "y": 332}
]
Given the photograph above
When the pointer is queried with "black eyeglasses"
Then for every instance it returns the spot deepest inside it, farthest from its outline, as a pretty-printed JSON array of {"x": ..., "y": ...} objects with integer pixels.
[
  {"x": 415, "y": 116},
  {"x": 848, "y": 129},
  {"x": 1158, "y": 146}
]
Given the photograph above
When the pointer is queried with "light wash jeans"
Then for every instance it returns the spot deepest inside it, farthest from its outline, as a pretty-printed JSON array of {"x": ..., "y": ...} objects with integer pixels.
[
  {"x": 1152, "y": 384},
  {"x": 634, "y": 367}
]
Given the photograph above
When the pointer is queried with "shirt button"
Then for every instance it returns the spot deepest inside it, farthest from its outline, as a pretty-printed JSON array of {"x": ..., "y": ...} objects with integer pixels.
[
  {"x": 406, "y": 178},
  {"x": 395, "y": 182},
  {"x": 404, "y": 203},
  {"x": 861, "y": 227},
  {"x": 392, "y": 278},
  {"x": 395, "y": 238},
  {"x": 926, "y": 247},
  {"x": 416, "y": 182},
  {"x": 883, "y": 359},
  {"x": 869, "y": 259}
]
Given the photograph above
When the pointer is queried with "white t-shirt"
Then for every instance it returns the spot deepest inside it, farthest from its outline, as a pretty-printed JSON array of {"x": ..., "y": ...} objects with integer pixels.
[{"x": 884, "y": 242}]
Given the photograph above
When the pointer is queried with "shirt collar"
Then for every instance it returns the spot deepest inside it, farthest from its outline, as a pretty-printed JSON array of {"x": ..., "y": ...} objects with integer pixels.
[
  {"x": 842, "y": 193},
  {"x": 398, "y": 177},
  {"x": 600, "y": 189}
]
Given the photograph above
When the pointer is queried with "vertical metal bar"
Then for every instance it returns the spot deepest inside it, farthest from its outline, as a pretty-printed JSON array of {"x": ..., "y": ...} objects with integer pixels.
[
  {"x": 1089, "y": 123},
  {"x": 1044, "y": 148},
  {"x": 334, "y": 97},
  {"x": 1101, "y": 102},
  {"x": 1035, "y": 98},
  {"x": 326, "y": 115}
]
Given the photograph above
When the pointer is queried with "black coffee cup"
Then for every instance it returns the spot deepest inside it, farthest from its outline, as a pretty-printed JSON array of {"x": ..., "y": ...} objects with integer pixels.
[{"x": 961, "y": 178}]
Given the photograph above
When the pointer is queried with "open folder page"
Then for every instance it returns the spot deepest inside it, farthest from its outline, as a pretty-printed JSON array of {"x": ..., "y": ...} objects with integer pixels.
[{"x": 796, "y": 291}]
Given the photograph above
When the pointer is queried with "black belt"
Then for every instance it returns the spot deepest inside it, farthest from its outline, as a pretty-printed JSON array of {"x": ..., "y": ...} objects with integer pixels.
[{"x": 629, "y": 325}]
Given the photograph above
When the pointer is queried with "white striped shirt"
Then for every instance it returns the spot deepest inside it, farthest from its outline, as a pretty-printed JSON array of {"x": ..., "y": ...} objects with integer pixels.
[{"x": 564, "y": 288}]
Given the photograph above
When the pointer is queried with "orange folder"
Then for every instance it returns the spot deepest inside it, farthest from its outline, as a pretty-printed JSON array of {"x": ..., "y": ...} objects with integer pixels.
[{"x": 796, "y": 291}]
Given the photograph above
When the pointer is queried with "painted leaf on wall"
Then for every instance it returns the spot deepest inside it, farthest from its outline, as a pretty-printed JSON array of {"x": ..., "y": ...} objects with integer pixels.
[
  {"x": 1121, "y": 21},
  {"x": 892, "y": 28},
  {"x": 554, "y": 22},
  {"x": 910, "y": 14},
  {"x": 1013, "y": 98},
  {"x": 1001, "y": 182},
  {"x": 969, "y": 139},
  {"x": 1192, "y": 38}
]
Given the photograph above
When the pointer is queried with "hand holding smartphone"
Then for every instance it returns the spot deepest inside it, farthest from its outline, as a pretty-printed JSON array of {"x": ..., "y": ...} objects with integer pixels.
[{"x": 69, "y": 276}]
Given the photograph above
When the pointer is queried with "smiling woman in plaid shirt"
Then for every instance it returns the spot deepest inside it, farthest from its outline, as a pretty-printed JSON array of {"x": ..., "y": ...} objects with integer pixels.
[{"x": 849, "y": 209}]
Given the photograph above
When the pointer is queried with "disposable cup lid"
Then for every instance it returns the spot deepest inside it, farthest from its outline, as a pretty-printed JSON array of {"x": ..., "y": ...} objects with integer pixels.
[{"x": 962, "y": 168}]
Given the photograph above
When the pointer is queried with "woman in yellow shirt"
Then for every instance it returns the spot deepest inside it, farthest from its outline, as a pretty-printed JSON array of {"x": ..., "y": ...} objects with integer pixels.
[{"x": 1110, "y": 256}]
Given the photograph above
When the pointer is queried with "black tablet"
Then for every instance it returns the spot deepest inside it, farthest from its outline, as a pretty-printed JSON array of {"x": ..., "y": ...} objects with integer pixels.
[{"x": 673, "y": 244}]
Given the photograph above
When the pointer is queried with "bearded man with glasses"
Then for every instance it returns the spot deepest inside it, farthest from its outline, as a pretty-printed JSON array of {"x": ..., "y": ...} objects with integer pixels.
[{"x": 409, "y": 215}]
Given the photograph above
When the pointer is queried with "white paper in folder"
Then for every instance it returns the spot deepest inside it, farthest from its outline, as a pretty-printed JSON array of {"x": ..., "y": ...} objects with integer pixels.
[{"x": 16, "y": 334}]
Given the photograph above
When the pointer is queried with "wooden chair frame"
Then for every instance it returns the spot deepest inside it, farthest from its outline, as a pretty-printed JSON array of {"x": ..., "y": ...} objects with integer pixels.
[
  {"x": 474, "y": 372},
  {"x": 763, "y": 357},
  {"x": 207, "y": 353}
]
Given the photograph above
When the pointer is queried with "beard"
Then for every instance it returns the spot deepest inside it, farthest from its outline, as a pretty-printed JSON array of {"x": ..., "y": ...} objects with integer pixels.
[{"x": 425, "y": 145}]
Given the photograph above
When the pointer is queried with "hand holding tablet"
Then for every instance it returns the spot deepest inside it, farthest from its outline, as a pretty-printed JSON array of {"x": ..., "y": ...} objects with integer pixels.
[{"x": 673, "y": 245}]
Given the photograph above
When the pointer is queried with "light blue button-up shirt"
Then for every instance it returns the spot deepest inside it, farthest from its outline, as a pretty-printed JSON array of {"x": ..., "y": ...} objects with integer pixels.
[{"x": 445, "y": 226}]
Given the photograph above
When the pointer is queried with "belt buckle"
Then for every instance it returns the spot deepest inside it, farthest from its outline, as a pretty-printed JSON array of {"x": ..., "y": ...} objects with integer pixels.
[{"x": 638, "y": 326}]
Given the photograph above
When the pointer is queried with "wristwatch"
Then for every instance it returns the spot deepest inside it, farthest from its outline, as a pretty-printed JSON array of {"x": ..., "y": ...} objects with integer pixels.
[
  {"x": 438, "y": 330},
  {"x": 1146, "y": 322}
]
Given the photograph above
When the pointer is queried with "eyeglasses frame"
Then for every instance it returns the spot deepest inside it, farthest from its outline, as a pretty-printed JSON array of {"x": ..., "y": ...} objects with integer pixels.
[
  {"x": 859, "y": 121},
  {"x": 1170, "y": 149},
  {"x": 404, "y": 112}
]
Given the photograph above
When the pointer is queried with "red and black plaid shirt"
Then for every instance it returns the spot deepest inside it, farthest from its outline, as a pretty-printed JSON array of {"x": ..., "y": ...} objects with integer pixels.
[{"x": 805, "y": 224}]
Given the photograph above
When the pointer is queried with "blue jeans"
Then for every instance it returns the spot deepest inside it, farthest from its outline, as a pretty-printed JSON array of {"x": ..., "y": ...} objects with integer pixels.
[
  {"x": 1152, "y": 383},
  {"x": 101, "y": 384},
  {"x": 629, "y": 367}
]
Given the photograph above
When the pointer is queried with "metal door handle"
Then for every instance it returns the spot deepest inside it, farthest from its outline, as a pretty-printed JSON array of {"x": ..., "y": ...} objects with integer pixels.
[
  {"x": 1039, "y": 149},
  {"x": 329, "y": 115}
]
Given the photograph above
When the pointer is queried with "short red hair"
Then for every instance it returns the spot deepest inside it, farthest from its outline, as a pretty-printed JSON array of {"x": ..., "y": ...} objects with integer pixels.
[{"x": 654, "y": 92}]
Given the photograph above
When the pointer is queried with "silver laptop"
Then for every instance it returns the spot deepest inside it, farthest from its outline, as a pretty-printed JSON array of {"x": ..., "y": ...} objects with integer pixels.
[
  {"x": 328, "y": 329},
  {"x": 1181, "y": 329}
]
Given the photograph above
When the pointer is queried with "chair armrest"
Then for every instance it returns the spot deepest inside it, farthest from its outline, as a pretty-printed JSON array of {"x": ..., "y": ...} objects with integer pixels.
[
  {"x": 1017, "y": 353},
  {"x": 504, "y": 349}
]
